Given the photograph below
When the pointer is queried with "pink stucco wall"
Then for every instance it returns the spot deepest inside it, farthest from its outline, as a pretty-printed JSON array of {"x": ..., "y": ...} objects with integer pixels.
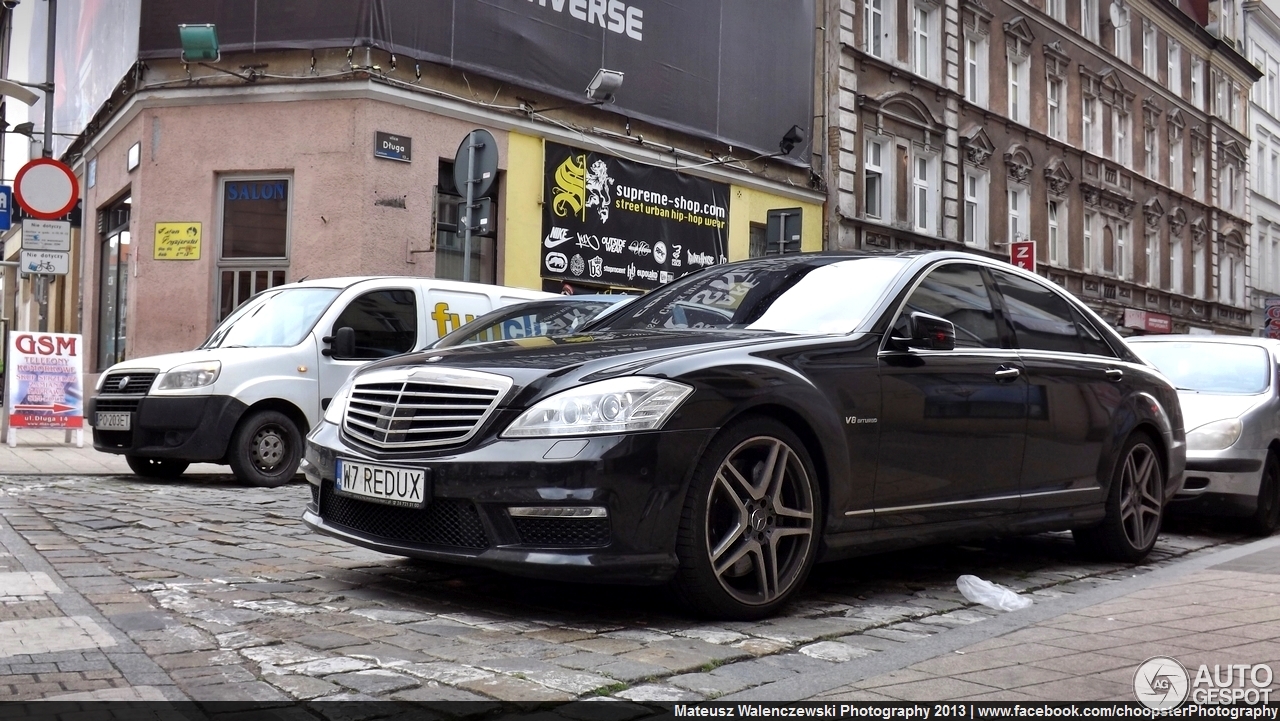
[{"x": 326, "y": 145}]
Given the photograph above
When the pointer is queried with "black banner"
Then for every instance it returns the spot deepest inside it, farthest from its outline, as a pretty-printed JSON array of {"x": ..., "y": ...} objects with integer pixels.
[
  {"x": 615, "y": 222},
  {"x": 740, "y": 71}
]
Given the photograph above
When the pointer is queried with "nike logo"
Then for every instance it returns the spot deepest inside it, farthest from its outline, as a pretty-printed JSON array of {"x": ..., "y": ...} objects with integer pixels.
[{"x": 553, "y": 242}]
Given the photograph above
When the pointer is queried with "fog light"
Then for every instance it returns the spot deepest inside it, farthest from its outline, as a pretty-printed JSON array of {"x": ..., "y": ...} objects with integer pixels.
[{"x": 558, "y": 512}]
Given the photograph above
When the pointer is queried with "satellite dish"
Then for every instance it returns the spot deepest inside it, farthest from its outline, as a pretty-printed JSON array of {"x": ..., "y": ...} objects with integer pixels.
[{"x": 1119, "y": 18}]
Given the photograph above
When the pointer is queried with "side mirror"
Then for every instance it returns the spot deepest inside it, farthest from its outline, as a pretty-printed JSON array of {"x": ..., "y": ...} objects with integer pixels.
[
  {"x": 927, "y": 332},
  {"x": 343, "y": 343}
]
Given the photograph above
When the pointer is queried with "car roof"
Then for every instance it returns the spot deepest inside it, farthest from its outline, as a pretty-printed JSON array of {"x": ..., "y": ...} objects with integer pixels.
[
  {"x": 1234, "y": 339},
  {"x": 343, "y": 282}
]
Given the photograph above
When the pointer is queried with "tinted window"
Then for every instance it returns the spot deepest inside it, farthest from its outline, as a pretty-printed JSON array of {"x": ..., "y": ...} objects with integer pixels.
[
  {"x": 778, "y": 293},
  {"x": 1210, "y": 367},
  {"x": 558, "y": 318},
  {"x": 1042, "y": 319},
  {"x": 385, "y": 322},
  {"x": 955, "y": 292},
  {"x": 1091, "y": 339}
]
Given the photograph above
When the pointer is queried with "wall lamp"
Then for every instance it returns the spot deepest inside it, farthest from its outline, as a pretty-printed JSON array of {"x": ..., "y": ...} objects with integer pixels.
[{"x": 199, "y": 43}]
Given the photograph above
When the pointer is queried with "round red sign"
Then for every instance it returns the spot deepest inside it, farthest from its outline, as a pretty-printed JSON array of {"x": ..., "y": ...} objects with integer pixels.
[{"x": 46, "y": 188}]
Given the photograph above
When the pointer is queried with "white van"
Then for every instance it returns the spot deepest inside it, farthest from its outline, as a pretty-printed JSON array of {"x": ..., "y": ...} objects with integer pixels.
[{"x": 250, "y": 393}]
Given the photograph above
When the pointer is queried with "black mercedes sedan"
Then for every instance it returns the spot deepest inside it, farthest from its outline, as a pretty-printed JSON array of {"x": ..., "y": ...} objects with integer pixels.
[{"x": 726, "y": 431}]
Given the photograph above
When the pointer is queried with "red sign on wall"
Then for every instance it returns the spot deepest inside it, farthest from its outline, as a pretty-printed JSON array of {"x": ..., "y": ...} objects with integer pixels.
[
  {"x": 1148, "y": 321},
  {"x": 1023, "y": 254}
]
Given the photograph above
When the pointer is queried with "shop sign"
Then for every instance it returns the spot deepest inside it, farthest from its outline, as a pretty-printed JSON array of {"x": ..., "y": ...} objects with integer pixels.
[
  {"x": 177, "y": 241},
  {"x": 258, "y": 190},
  {"x": 54, "y": 235},
  {"x": 392, "y": 147},
  {"x": 608, "y": 221},
  {"x": 1273, "y": 318},
  {"x": 1147, "y": 321},
  {"x": 1023, "y": 254},
  {"x": 42, "y": 380},
  {"x": 6, "y": 202}
]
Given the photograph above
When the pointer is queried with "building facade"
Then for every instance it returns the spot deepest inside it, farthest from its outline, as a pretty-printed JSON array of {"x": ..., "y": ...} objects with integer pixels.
[
  {"x": 1112, "y": 133},
  {"x": 1262, "y": 38}
]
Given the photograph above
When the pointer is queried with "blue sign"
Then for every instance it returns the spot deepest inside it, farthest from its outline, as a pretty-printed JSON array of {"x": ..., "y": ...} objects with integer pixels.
[
  {"x": 258, "y": 190},
  {"x": 6, "y": 205}
]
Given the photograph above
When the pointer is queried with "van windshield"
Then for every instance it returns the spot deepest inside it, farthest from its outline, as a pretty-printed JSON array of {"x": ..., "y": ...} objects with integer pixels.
[{"x": 272, "y": 318}]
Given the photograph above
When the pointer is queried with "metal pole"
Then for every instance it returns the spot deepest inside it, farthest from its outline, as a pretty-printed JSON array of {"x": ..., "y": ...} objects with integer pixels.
[
  {"x": 42, "y": 280},
  {"x": 471, "y": 181}
]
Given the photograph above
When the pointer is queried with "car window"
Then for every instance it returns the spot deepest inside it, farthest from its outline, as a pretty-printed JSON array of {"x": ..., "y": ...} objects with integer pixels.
[
  {"x": 958, "y": 293},
  {"x": 1091, "y": 340},
  {"x": 385, "y": 322},
  {"x": 524, "y": 321},
  {"x": 1042, "y": 319},
  {"x": 1209, "y": 367}
]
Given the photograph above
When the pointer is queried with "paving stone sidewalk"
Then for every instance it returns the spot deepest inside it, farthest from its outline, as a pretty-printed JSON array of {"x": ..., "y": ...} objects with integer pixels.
[{"x": 40, "y": 452}]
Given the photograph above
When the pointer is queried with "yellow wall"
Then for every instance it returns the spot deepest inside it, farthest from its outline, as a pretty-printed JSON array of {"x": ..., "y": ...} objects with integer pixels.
[{"x": 523, "y": 215}]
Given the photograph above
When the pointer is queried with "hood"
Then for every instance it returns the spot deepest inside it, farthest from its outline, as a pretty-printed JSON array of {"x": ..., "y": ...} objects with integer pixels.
[
  {"x": 1201, "y": 408},
  {"x": 168, "y": 361}
]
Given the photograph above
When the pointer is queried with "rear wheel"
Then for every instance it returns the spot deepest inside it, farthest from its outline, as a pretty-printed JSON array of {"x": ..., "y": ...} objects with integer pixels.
[
  {"x": 1266, "y": 517},
  {"x": 1135, "y": 505},
  {"x": 266, "y": 449},
  {"x": 167, "y": 468},
  {"x": 751, "y": 523}
]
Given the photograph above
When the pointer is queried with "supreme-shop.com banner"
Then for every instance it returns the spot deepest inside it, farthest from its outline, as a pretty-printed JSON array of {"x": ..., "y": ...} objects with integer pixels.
[{"x": 616, "y": 222}]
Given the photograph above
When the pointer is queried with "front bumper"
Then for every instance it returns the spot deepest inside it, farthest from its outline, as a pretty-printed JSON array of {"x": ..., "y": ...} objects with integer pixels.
[
  {"x": 188, "y": 428},
  {"x": 639, "y": 478},
  {"x": 1221, "y": 482}
]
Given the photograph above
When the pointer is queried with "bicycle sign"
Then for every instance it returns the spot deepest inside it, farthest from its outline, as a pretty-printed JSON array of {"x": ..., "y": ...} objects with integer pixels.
[{"x": 44, "y": 261}]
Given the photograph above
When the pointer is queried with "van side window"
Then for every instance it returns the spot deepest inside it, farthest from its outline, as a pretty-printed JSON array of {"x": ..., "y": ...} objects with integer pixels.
[{"x": 385, "y": 322}]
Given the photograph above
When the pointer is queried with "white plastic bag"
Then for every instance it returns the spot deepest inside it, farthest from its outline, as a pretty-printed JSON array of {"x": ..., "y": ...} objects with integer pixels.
[{"x": 991, "y": 594}]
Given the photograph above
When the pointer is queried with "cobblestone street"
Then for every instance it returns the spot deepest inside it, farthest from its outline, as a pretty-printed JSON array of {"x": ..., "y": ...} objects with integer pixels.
[{"x": 115, "y": 587}]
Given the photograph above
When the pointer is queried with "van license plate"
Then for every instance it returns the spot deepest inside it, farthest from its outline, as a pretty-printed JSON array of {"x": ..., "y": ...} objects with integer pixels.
[
  {"x": 113, "y": 421},
  {"x": 407, "y": 487}
]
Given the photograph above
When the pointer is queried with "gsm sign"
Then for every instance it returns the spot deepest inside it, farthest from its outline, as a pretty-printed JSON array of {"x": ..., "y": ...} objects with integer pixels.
[{"x": 45, "y": 345}]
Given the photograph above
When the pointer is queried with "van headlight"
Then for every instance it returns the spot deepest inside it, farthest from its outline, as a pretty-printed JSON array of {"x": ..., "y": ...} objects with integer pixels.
[
  {"x": 191, "y": 375},
  {"x": 1215, "y": 436},
  {"x": 337, "y": 407},
  {"x": 618, "y": 405}
]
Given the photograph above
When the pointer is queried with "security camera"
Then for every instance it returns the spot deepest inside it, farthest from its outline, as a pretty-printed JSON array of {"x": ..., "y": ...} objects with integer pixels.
[{"x": 10, "y": 4}]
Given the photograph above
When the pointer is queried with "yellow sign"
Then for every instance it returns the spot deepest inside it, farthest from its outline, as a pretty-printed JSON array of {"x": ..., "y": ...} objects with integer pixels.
[{"x": 177, "y": 241}]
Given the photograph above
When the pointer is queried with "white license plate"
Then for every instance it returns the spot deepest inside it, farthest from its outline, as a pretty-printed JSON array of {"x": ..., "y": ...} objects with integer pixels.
[
  {"x": 113, "y": 421},
  {"x": 382, "y": 484}
]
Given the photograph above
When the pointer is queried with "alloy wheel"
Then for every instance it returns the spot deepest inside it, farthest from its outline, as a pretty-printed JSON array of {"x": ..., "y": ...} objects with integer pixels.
[
  {"x": 268, "y": 447},
  {"x": 1141, "y": 496},
  {"x": 760, "y": 520}
]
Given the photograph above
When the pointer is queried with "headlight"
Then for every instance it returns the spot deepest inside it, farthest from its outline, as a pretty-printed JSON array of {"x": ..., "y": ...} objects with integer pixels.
[
  {"x": 1215, "y": 436},
  {"x": 191, "y": 375},
  {"x": 618, "y": 405},
  {"x": 338, "y": 405}
]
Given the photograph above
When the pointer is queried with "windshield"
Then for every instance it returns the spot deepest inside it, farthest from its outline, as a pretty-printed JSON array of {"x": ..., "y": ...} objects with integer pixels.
[
  {"x": 525, "y": 321},
  {"x": 1210, "y": 367},
  {"x": 273, "y": 318},
  {"x": 819, "y": 295}
]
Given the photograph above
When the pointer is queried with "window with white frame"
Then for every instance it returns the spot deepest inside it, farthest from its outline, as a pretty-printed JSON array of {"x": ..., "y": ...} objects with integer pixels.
[
  {"x": 1273, "y": 260},
  {"x": 1197, "y": 172},
  {"x": 1089, "y": 19},
  {"x": 1121, "y": 143},
  {"x": 1151, "y": 146},
  {"x": 1197, "y": 271},
  {"x": 925, "y": 43},
  {"x": 254, "y": 247},
  {"x": 1017, "y": 213},
  {"x": 1175, "y": 161},
  {"x": 1019, "y": 89},
  {"x": 975, "y": 208},
  {"x": 1197, "y": 82},
  {"x": 1230, "y": 192},
  {"x": 1055, "y": 237},
  {"x": 1089, "y": 254},
  {"x": 1057, "y": 9},
  {"x": 873, "y": 182},
  {"x": 1228, "y": 19},
  {"x": 1090, "y": 126},
  {"x": 1233, "y": 91},
  {"x": 1123, "y": 249},
  {"x": 975, "y": 68},
  {"x": 1151, "y": 248},
  {"x": 1175, "y": 265},
  {"x": 1221, "y": 89},
  {"x": 875, "y": 27},
  {"x": 1274, "y": 174},
  {"x": 1149, "y": 50},
  {"x": 1053, "y": 91},
  {"x": 925, "y": 189},
  {"x": 1120, "y": 38},
  {"x": 1231, "y": 279},
  {"x": 1174, "y": 76}
]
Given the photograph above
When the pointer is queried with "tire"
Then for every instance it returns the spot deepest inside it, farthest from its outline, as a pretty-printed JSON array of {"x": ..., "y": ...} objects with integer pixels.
[
  {"x": 1266, "y": 517},
  {"x": 166, "y": 468},
  {"x": 266, "y": 449},
  {"x": 746, "y": 543},
  {"x": 1135, "y": 505}
]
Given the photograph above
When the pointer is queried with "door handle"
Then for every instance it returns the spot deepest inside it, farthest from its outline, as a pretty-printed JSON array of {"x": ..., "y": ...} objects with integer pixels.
[
  {"x": 1006, "y": 373},
  {"x": 1115, "y": 374}
]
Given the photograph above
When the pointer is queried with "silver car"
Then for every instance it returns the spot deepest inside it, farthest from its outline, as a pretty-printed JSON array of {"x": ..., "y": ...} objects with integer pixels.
[{"x": 1230, "y": 395}]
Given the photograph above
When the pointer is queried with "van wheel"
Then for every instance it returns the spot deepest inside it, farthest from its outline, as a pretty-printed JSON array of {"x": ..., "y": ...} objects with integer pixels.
[
  {"x": 265, "y": 449},
  {"x": 167, "y": 468},
  {"x": 1135, "y": 505},
  {"x": 751, "y": 524},
  {"x": 1266, "y": 517}
]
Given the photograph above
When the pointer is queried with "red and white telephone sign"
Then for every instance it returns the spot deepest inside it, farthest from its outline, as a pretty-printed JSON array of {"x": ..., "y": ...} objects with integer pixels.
[{"x": 1023, "y": 254}]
